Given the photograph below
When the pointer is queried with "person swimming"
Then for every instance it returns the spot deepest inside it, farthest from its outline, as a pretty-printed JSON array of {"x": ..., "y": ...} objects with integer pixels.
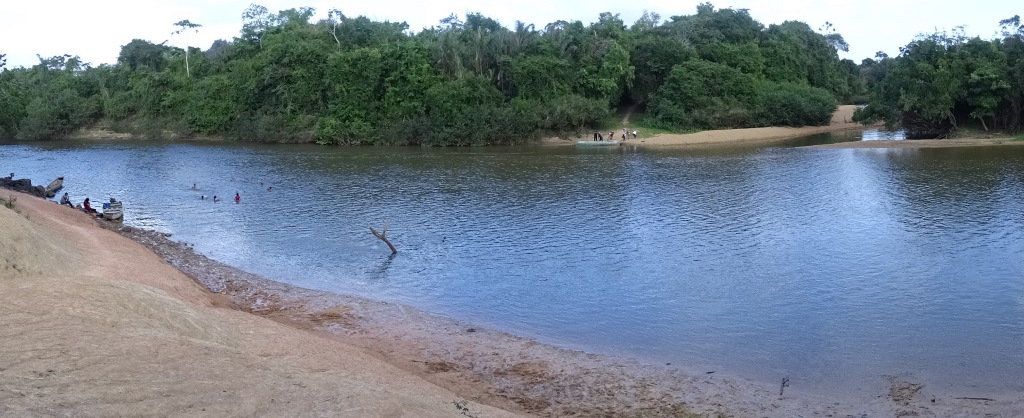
[{"x": 238, "y": 198}]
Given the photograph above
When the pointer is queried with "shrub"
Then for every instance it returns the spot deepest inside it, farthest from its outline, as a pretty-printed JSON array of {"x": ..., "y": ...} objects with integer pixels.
[{"x": 792, "y": 104}]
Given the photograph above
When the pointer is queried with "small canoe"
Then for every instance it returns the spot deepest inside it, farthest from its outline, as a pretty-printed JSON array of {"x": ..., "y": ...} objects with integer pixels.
[
  {"x": 54, "y": 187},
  {"x": 597, "y": 143}
]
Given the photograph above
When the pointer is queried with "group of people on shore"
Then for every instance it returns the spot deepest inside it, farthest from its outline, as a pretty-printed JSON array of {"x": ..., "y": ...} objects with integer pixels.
[
  {"x": 85, "y": 206},
  {"x": 611, "y": 135}
]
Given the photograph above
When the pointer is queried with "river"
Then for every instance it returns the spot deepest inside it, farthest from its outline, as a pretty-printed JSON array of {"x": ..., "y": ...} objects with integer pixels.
[{"x": 831, "y": 266}]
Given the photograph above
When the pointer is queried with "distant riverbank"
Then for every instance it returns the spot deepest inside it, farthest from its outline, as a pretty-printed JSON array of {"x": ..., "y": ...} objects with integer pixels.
[{"x": 842, "y": 120}]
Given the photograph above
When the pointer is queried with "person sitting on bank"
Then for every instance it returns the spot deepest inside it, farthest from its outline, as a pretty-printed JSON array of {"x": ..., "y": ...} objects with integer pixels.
[
  {"x": 65, "y": 200},
  {"x": 86, "y": 207}
]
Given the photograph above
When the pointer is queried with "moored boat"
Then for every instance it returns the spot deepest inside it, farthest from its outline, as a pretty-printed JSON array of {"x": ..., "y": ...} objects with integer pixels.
[{"x": 598, "y": 143}]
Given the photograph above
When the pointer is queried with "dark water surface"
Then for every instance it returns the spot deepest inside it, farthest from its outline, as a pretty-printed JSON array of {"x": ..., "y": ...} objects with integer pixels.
[{"x": 830, "y": 266}]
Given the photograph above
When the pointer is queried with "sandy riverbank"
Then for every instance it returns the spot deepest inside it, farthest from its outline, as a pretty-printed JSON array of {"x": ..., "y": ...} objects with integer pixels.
[
  {"x": 95, "y": 323},
  {"x": 842, "y": 120}
]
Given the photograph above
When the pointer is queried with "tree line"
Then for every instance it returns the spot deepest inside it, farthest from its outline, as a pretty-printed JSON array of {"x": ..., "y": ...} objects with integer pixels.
[
  {"x": 947, "y": 81},
  {"x": 465, "y": 81}
]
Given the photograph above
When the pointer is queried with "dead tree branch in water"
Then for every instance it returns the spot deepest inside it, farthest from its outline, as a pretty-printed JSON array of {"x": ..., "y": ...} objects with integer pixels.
[
  {"x": 383, "y": 237},
  {"x": 785, "y": 382}
]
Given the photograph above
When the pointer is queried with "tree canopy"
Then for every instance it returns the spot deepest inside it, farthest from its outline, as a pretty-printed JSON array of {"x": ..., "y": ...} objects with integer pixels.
[
  {"x": 942, "y": 81},
  {"x": 466, "y": 81}
]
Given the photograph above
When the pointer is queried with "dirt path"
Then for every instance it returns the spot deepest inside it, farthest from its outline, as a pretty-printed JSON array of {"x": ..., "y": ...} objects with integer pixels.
[{"x": 629, "y": 113}]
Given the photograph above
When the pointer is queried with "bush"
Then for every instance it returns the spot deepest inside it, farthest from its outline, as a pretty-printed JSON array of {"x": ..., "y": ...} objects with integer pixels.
[
  {"x": 703, "y": 94},
  {"x": 792, "y": 104}
]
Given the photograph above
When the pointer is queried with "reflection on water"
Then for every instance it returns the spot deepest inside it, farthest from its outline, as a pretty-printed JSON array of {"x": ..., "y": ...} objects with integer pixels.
[
  {"x": 881, "y": 135},
  {"x": 845, "y": 136},
  {"x": 832, "y": 267}
]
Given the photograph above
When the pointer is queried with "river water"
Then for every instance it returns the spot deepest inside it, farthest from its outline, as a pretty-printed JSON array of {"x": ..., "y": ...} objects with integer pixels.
[{"x": 833, "y": 267}]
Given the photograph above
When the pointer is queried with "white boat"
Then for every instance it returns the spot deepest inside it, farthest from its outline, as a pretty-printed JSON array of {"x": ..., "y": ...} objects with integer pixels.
[
  {"x": 597, "y": 143},
  {"x": 113, "y": 211}
]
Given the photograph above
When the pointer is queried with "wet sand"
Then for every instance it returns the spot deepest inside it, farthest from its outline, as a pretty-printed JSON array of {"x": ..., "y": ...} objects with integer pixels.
[{"x": 101, "y": 319}]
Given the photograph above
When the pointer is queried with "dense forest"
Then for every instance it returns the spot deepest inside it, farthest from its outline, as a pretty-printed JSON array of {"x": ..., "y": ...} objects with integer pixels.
[
  {"x": 945, "y": 81},
  {"x": 471, "y": 81}
]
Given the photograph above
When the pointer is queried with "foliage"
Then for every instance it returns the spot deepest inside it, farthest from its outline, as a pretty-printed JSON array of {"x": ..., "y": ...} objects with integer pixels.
[
  {"x": 944, "y": 80},
  {"x": 704, "y": 94},
  {"x": 793, "y": 104},
  {"x": 462, "y": 407},
  {"x": 466, "y": 81}
]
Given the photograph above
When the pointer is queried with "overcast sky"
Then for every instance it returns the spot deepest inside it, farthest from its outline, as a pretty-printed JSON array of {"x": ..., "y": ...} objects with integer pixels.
[{"x": 95, "y": 30}]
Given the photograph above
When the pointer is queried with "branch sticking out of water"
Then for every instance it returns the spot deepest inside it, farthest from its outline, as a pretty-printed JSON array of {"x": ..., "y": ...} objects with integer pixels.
[
  {"x": 383, "y": 237},
  {"x": 785, "y": 382}
]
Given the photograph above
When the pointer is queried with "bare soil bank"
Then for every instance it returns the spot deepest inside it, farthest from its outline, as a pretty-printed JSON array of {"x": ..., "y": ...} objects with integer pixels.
[{"x": 94, "y": 323}]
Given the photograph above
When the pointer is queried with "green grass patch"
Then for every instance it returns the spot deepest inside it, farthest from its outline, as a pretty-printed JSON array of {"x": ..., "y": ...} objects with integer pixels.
[
  {"x": 639, "y": 122},
  {"x": 1018, "y": 137}
]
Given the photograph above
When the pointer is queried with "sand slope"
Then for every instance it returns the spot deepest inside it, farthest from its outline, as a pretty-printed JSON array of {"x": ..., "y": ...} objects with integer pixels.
[{"x": 92, "y": 324}]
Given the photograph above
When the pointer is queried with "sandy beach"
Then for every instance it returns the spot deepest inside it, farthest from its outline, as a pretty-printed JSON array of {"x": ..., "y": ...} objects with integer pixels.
[
  {"x": 102, "y": 319},
  {"x": 842, "y": 120}
]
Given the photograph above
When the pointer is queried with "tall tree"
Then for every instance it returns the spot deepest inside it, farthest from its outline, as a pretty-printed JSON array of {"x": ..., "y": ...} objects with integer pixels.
[{"x": 186, "y": 26}]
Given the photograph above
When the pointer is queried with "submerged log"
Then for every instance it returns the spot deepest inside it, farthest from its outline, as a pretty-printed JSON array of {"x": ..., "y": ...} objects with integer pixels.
[{"x": 382, "y": 235}]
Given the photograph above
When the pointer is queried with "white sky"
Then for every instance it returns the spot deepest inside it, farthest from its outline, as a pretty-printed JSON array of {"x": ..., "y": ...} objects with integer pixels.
[{"x": 95, "y": 30}]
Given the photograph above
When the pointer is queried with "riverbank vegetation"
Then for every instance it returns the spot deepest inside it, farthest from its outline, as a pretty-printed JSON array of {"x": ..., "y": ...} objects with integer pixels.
[
  {"x": 466, "y": 81},
  {"x": 947, "y": 81}
]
